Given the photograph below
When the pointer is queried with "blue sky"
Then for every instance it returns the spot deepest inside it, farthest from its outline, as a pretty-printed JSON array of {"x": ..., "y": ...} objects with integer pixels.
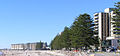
[{"x": 23, "y": 21}]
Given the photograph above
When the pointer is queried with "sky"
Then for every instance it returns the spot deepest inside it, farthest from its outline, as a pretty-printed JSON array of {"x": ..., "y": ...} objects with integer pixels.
[{"x": 23, "y": 21}]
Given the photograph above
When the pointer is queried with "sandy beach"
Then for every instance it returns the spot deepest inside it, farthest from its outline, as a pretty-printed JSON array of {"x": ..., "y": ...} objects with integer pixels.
[{"x": 41, "y": 53}]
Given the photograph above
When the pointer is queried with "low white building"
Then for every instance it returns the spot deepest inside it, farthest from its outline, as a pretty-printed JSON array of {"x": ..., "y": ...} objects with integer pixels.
[{"x": 28, "y": 46}]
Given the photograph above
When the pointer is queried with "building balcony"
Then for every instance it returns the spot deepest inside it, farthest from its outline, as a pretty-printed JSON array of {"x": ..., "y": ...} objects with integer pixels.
[
  {"x": 96, "y": 35},
  {"x": 114, "y": 15},
  {"x": 96, "y": 20},
  {"x": 95, "y": 17},
  {"x": 96, "y": 29},
  {"x": 113, "y": 37},
  {"x": 96, "y": 26},
  {"x": 96, "y": 14},
  {"x": 116, "y": 31},
  {"x": 96, "y": 23},
  {"x": 110, "y": 38},
  {"x": 114, "y": 27},
  {"x": 112, "y": 21}
]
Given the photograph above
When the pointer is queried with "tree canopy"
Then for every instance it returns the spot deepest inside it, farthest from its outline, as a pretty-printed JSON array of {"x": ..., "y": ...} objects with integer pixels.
[
  {"x": 117, "y": 18},
  {"x": 79, "y": 35}
]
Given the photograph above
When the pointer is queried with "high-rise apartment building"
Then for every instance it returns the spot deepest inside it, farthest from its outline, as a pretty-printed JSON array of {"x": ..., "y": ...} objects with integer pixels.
[{"x": 104, "y": 26}]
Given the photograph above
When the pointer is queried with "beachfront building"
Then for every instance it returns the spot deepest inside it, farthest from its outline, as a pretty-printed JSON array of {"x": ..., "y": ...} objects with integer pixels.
[
  {"x": 104, "y": 27},
  {"x": 28, "y": 46}
]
